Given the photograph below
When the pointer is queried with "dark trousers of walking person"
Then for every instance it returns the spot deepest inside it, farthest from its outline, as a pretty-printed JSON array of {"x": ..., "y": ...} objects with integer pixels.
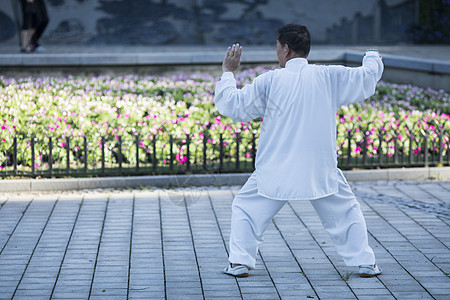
[
  {"x": 34, "y": 16},
  {"x": 41, "y": 22}
]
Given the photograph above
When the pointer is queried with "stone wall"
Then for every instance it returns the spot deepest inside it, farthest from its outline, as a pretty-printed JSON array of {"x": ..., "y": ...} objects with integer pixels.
[{"x": 210, "y": 22}]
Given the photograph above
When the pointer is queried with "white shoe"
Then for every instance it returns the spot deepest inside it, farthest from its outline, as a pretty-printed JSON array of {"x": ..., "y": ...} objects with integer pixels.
[
  {"x": 238, "y": 271},
  {"x": 368, "y": 271},
  {"x": 39, "y": 49}
]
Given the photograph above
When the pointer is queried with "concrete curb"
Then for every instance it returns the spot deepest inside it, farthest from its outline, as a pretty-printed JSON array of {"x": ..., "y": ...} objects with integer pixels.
[
  {"x": 167, "y": 181},
  {"x": 402, "y": 62},
  {"x": 35, "y": 185},
  {"x": 212, "y": 56},
  {"x": 438, "y": 173}
]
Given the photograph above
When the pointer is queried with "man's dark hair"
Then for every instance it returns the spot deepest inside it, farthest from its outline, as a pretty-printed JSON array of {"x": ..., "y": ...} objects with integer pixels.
[{"x": 297, "y": 37}]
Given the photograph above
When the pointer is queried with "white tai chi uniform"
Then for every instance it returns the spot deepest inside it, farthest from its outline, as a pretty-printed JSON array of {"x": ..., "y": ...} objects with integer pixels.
[{"x": 296, "y": 158}]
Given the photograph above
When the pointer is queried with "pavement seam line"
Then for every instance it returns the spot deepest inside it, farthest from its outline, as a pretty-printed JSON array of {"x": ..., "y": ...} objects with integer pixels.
[
  {"x": 424, "y": 190},
  {"x": 3, "y": 202},
  {"x": 131, "y": 245},
  {"x": 67, "y": 246},
  {"x": 17, "y": 224},
  {"x": 381, "y": 244},
  {"x": 162, "y": 245},
  {"x": 400, "y": 209},
  {"x": 420, "y": 225},
  {"x": 268, "y": 272},
  {"x": 193, "y": 243},
  {"x": 444, "y": 187},
  {"x": 443, "y": 220},
  {"x": 295, "y": 258},
  {"x": 99, "y": 245},
  {"x": 35, "y": 246},
  {"x": 265, "y": 265},
  {"x": 223, "y": 239},
  {"x": 321, "y": 248}
]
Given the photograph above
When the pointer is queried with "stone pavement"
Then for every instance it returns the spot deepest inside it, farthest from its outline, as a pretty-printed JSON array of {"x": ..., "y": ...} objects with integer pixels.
[{"x": 172, "y": 244}]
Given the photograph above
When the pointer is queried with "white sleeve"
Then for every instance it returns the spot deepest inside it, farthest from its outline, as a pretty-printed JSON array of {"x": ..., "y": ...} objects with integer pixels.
[
  {"x": 351, "y": 85},
  {"x": 242, "y": 105}
]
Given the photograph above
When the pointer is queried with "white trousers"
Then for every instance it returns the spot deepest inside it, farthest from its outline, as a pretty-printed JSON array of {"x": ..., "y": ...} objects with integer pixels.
[{"x": 339, "y": 213}]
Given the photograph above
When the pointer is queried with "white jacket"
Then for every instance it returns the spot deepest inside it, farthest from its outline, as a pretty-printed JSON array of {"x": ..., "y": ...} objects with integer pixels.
[{"x": 296, "y": 157}]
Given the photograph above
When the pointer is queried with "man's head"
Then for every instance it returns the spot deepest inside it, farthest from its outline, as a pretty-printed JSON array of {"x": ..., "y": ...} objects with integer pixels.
[{"x": 293, "y": 41}]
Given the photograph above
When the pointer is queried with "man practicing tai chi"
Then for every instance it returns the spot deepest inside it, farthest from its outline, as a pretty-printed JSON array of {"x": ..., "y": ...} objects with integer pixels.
[{"x": 296, "y": 157}]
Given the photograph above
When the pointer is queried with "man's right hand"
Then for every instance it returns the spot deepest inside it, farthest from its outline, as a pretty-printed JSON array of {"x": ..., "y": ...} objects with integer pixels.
[{"x": 232, "y": 59}]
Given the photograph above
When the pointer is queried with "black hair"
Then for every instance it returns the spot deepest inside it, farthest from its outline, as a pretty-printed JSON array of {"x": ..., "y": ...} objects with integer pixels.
[{"x": 296, "y": 36}]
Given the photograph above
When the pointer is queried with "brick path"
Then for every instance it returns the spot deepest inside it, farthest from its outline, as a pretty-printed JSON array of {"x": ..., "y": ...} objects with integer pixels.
[{"x": 172, "y": 244}]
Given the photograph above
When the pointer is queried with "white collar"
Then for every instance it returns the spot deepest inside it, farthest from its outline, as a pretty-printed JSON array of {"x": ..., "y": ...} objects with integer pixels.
[{"x": 296, "y": 62}]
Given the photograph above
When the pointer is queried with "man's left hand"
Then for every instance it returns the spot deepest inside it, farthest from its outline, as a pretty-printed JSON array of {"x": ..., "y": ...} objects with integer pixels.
[{"x": 232, "y": 59}]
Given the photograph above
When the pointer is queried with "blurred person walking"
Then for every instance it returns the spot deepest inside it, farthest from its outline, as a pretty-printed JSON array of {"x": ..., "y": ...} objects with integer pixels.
[
  {"x": 296, "y": 157},
  {"x": 34, "y": 22}
]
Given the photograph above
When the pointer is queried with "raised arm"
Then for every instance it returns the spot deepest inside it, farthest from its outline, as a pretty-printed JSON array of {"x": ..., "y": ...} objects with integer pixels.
[
  {"x": 241, "y": 105},
  {"x": 351, "y": 85}
]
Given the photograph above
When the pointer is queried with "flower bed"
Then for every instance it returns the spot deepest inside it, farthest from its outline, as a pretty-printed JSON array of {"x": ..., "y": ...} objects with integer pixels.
[{"x": 161, "y": 107}]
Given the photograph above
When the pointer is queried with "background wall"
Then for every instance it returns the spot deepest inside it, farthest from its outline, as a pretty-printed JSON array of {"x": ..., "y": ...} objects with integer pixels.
[{"x": 209, "y": 22}]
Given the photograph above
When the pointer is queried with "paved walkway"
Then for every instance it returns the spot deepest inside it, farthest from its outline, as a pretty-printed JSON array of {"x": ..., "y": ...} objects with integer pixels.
[{"x": 172, "y": 244}]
